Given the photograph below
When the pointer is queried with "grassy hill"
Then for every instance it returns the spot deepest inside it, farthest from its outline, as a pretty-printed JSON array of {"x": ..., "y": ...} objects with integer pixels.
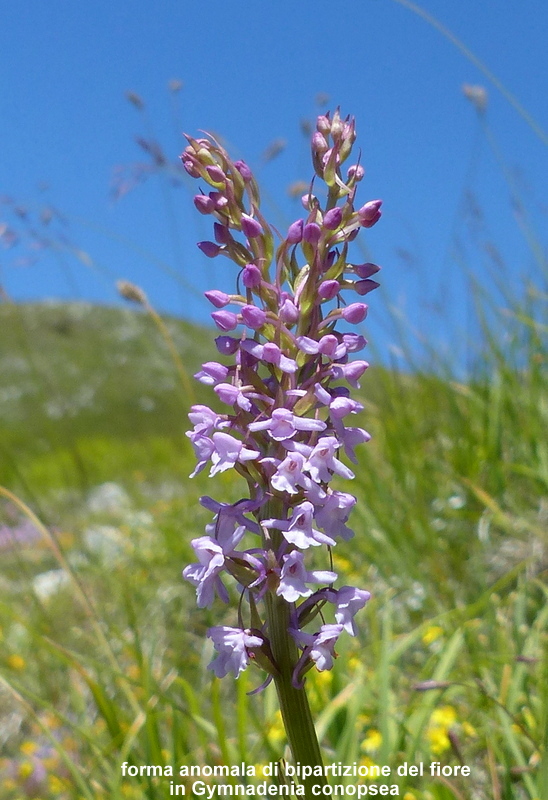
[
  {"x": 450, "y": 538},
  {"x": 75, "y": 376}
]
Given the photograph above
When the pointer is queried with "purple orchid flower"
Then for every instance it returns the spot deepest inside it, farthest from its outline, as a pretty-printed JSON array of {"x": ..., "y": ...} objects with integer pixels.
[{"x": 287, "y": 380}]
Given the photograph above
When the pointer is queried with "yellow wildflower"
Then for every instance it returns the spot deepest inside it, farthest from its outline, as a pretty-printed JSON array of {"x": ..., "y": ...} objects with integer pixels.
[
  {"x": 431, "y": 634},
  {"x": 55, "y": 785},
  {"x": 372, "y": 741},
  {"x": 276, "y": 732},
  {"x": 16, "y": 662},
  {"x": 468, "y": 729},
  {"x": 444, "y": 716},
  {"x": 26, "y": 768},
  {"x": 441, "y": 721}
]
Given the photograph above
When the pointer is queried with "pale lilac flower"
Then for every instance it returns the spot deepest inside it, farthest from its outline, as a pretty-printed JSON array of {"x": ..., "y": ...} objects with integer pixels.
[
  {"x": 294, "y": 577},
  {"x": 232, "y": 645},
  {"x": 351, "y": 438},
  {"x": 282, "y": 424},
  {"x": 205, "y": 574},
  {"x": 339, "y": 407},
  {"x": 203, "y": 449},
  {"x": 322, "y": 462},
  {"x": 350, "y": 372},
  {"x": 270, "y": 353},
  {"x": 233, "y": 395},
  {"x": 211, "y": 373},
  {"x": 353, "y": 342},
  {"x": 334, "y": 513},
  {"x": 328, "y": 346},
  {"x": 348, "y": 602},
  {"x": 298, "y": 529},
  {"x": 320, "y": 647},
  {"x": 204, "y": 420},
  {"x": 289, "y": 476},
  {"x": 227, "y": 451},
  {"x": 234, "y": 512}
]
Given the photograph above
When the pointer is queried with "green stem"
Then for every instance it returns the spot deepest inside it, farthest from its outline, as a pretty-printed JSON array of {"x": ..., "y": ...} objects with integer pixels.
[{"x": 296, "y": 715}]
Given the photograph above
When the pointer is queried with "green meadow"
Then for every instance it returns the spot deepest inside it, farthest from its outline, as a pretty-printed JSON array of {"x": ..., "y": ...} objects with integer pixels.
[{"x": 102, "y": 649}]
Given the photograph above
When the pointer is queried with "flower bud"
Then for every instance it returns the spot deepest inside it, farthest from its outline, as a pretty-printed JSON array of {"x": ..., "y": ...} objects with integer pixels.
[
  {"x": 222, "y": 234},
  {"x": 295, "y": 232},
  {"x": 288, "y": 311},
  {"x": 348, "y": 137},
  {"x": 337, "y": 126},
  {"x": 209, "y": 249},
  {"x": 354, "y": 313},
  {"x": 244, "y": 170},
  {"x": 227, "y": 345},
  {"x": 365, "y": 270},
  {"x": 366, "y": 286},
  {"x": 271, "y": 353},
  {"x": 219, "y": 199},
  {"x": 251, "y": 276},
  {"x": 333, "y": 218},
  {"x": 319, "y": 143},
  {"x": 328, "y": 345},
  {"x": 253, "y": 317},
  {"x": 327, "y": 290},
  {"x": 312, "y": 233},
  {"x": 216, "y": 174},
  {"x": 370, "y": 213},
  {"x": 354, "y": 370},
  {"x": 323, "y": 124},
  {"x": 251, "y": 227},
  {"x": 355, "y": 173},
  {"x": 214, "y": 371},
  {"x": 204, "y": 204},
  {"x": 309, "y": 202},
  {"x": 190, "y": 166},
  {"x": 225, "y": 320},
  {"x": 331, "y": 157},
  {"x": 217, "y": 298}
]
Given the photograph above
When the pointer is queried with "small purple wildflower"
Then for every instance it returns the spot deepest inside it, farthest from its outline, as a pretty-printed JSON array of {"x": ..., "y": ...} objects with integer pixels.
[{"x": 232, "y": 645}]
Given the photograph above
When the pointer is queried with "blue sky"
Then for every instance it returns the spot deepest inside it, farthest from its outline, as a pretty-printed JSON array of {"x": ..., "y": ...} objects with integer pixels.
[{"x": 251, "y": 72}]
